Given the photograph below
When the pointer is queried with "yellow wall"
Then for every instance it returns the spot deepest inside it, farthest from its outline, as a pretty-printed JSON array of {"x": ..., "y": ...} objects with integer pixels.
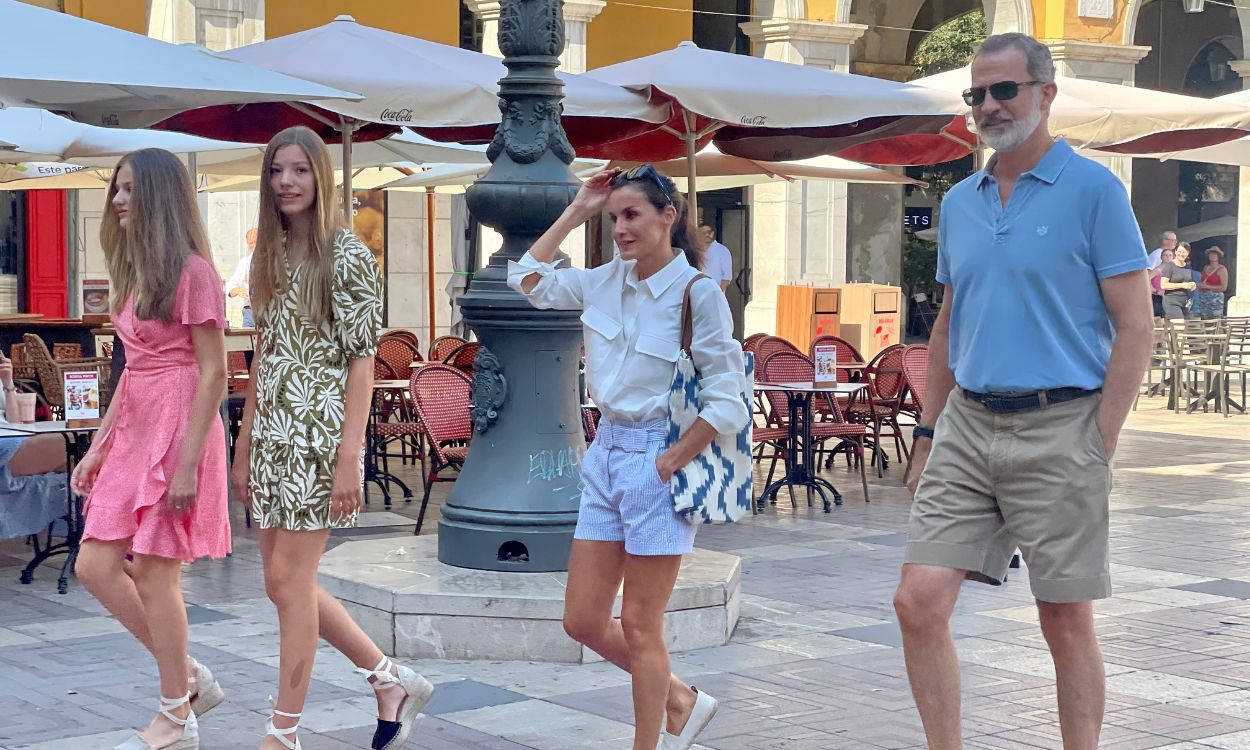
[
  {"x": 436, "y": 20},
  {"x": 823, "y": 10},
  {"x": 623, "y": 32},
  {"x": 131, "y": 15},
  {"x": 1057, "y": 19}
]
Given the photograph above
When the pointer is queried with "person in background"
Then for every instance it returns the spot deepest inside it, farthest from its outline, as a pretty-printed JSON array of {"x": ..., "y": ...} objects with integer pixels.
[
  {"x": 1167, "y": 241},
  {"x": 1212, "y": 283},
  {"x": 1156, "y": 289},
  {"x": 1184, "y": 259},
  {"x": 1177, "y": 282},
  {"x": 32, "y": 471},
  {"x": 720, "y": 265},
  {"x": 239, "y": 283}
]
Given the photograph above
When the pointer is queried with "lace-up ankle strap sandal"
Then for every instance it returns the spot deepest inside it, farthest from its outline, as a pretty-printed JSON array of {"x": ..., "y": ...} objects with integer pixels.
[
  {"x": 190, "y": 739},
  {"x": 282, "y": 733},
  {"x": 391, "y": 735}
]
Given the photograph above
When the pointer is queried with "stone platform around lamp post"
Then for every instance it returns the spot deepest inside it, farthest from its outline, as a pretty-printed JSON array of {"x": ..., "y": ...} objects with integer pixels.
[{"x": 416, "y": 607}]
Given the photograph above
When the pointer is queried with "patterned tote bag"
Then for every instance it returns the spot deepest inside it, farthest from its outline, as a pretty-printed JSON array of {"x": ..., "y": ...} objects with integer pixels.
[{"x": 716, "y": 486}]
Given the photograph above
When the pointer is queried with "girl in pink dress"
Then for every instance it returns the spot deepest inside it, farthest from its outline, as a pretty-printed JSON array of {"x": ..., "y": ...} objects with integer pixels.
[{"x": 155, "y": 476}]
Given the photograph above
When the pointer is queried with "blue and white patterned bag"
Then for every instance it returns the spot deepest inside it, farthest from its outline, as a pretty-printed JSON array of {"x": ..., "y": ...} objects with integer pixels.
[{"x": 716, "y": 487}]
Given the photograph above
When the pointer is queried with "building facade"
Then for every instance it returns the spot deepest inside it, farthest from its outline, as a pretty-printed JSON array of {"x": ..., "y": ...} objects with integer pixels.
[{"x": 779, "y": 233}]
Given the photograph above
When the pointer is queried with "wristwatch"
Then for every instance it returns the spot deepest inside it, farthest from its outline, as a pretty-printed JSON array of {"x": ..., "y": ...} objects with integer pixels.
[{"x": 920, "y": 431}]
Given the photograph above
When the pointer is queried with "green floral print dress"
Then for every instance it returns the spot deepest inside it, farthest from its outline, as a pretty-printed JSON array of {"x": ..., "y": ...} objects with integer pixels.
[{"x": 300, "y": 391}]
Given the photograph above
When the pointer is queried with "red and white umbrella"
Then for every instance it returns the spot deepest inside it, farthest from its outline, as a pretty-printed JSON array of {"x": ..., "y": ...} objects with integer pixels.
[
  {"x": 100, "y": 75},
  {"x": 1119, "y": 119},
  {"x": 449, "y": 93},
  {"x": 764, "y": 109}
]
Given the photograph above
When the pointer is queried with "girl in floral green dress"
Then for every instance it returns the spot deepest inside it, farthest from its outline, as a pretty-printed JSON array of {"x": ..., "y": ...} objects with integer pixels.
[{"x": 317, "y": 298}]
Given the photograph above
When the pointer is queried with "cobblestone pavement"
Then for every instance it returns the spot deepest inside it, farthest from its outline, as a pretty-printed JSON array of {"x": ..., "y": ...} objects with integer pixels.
[{"x": 815, "y": 662}]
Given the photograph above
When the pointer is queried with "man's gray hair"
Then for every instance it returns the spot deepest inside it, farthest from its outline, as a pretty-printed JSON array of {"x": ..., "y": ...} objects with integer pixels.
[{"x": 1041, "y": 66}]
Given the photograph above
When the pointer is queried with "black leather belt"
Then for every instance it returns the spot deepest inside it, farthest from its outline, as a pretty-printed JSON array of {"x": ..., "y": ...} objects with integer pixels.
[{"x": 1027, "y": 401}]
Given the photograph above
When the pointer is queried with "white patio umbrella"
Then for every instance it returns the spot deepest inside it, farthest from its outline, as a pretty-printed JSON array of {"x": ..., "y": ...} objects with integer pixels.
[
  {"x": 1125, "y": 119},
  {"x": 769, "y": 110},
  {"x": 38, "y": 135},
  {"x": 404, "y": 82},
  {"x": 1233, "y": 153},
  {"x": 405, "y": 149},
  {"x": 43, "y": 141},
  {"x": 715, "y": 171},
  {"x": 1219, "y": 227},
  {"x": 718, "y": 170},
  {"x": 52, "y": 60},
  {"x": 52, "y": 176}
]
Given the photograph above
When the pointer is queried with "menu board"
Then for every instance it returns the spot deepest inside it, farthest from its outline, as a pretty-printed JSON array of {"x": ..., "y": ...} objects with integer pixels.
[
  {"x": 825, "y": 359},
  {"x": 82, "y": 395}
]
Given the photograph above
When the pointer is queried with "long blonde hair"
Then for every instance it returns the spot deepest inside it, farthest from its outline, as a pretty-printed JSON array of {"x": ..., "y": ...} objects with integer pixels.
[
  {"x": 145, "y": 259},
  {"x": 269, "y": 267}
]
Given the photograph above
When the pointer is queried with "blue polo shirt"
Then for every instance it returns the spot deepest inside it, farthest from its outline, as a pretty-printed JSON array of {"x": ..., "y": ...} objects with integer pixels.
[{"x": 1028, "y": 309}]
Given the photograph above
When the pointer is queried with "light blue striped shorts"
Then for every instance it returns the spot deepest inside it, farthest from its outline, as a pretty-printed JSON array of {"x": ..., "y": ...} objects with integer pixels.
[{"x": 623, "y": 499}]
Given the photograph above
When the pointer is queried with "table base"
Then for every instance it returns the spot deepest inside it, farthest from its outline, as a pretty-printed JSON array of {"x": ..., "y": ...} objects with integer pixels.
[
  {"x": 69, "y": 548},
  {"x": 798, "y": 477},
  {"x": 73, "y": 520}
]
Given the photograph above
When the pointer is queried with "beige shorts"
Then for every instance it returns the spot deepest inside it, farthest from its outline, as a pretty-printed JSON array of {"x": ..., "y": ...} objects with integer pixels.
[{"x": 1038, "y": 480}]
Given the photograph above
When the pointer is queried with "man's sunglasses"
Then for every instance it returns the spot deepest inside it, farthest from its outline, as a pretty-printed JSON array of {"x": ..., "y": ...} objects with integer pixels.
[
  {"x": 1001, "y": 91},
  {"x": 644, "y": 172}
]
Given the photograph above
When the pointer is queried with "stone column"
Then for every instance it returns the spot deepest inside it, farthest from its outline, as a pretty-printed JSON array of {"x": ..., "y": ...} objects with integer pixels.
[
  {"x": 577, "y": 16},
  {"x": 800, "y": 231},
  {"x": 1239, "y": 269},
  {"x": 488, "y": 11},
  {"x": 1109, "y": 63}
]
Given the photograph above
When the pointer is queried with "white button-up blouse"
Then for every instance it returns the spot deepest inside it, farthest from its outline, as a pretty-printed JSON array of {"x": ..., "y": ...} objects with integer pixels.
[{"x": 633, "y": 336}]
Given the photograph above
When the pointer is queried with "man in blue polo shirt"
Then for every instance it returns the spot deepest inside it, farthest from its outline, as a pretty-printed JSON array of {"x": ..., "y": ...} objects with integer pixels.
[{"x": 1035, "y": 359}]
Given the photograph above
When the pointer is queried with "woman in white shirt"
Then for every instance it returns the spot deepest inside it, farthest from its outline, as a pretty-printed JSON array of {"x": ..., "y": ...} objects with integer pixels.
[{"x": 627, "y": 529}]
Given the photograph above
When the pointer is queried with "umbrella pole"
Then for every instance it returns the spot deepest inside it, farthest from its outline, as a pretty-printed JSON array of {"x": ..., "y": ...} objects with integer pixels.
[
  {"x": 346, "y": 130},
  {"x": 429, "y": 251},
  {"x": 692, "y": 193}
]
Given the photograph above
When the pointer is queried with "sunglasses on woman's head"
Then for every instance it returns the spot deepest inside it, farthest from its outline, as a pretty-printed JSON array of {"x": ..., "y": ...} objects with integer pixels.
[
  {"x": 644, "y": 172},
  {"x": 1001, "y": 91}
]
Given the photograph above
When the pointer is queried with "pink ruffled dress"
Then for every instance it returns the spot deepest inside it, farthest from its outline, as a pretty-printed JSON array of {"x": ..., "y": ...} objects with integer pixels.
[{"x": 153, "y": 403}]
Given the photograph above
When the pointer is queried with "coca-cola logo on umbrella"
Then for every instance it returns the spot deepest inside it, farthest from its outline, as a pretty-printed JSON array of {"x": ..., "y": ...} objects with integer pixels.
[{"x": 396, "y": 115}]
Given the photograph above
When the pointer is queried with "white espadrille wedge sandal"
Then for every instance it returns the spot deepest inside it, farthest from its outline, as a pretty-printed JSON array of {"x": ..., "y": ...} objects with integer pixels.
[
  {"x": 391, "y": 735},
  {"x": 281, "y": 734},
  {"x": 190, "y": 739}
]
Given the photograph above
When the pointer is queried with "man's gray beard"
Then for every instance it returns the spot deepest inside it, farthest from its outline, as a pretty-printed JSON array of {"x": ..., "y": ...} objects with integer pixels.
[{"x": 1016, "y": 134}]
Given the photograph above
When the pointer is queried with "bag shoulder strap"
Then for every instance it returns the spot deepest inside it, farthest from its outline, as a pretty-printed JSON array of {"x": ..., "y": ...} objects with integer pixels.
[{"x": 687, "y": 318}]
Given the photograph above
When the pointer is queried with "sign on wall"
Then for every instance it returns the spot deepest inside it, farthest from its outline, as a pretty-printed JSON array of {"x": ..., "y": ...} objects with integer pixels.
[{"x": 916, "y": 218}]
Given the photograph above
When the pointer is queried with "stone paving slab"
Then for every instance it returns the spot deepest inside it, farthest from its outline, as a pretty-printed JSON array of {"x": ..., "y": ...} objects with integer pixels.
[{"x": 815, "y": 662}]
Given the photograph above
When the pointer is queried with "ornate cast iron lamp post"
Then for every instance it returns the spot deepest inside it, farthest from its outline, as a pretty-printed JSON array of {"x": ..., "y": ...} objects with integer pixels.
[{"x": 514, "y": 506}]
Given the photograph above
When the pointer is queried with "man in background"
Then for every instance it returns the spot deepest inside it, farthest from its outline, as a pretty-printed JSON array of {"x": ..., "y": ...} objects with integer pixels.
[
  {"x": 1167, "y": 241},
  {"x": 719, "y": 266},
  {"x": 238, "y": 284}
]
